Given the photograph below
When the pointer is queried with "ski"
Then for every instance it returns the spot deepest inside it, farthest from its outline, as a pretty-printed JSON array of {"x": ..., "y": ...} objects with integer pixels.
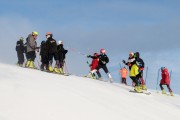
[{"x": 143, "y": 92}]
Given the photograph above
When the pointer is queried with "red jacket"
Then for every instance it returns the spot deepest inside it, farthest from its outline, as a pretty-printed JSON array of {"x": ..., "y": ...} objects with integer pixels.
[
  {"x": 165, "y": 77},
  {"x": 94, "y": 64}
]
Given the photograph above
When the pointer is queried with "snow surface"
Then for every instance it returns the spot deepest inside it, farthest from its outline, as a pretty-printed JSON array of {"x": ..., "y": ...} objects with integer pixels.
[{"x": 27, "y": 94}]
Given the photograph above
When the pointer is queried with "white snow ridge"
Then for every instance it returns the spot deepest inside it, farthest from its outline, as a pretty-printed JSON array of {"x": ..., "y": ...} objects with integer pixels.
[{"x": 27, "y": 94}]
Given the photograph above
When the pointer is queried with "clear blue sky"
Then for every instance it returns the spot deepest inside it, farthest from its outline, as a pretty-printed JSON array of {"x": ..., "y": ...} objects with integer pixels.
[{"x": 120, "y": 26}]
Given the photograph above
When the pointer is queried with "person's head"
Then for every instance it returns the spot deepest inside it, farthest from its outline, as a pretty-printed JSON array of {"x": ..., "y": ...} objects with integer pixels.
[
  {"x": 96, "y": 54},
  {"x": 60, "y": 42},
  {"x": 21, "y": 39},
  {"x": 162, "y": 68},
  {"x": 43, "y": 42},
  {"x": 35, "y": 34},
  {"x": 136, "y": 55},
  {"x": 131, "y": 54},
  {"x": 49, "y": 35},
  {"x": 102, "y": 51}
]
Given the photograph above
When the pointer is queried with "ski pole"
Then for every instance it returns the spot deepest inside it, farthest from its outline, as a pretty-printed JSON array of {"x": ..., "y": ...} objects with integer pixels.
[
  {"x": 146, "y": 74},
  {"x": 157, "y": 78},
  {"x": 74, "y": 50},
  {"x": 170, "y": 74},
  {"x": 66, "y": 67}
]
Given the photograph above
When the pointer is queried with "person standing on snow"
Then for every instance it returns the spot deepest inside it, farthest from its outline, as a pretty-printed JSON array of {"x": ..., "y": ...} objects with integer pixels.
[
  {"x": 51, "y": 50},
  {"x": 20, "y": 51},
  {"x": 130, "y": 62},
  {"x": 44, "y": 56},
  {"x": 31, "y": 49},
  {"x": 134, "y": 76},
  {"x": 165, "y": 80},
  {"x": 94, "y": 64},
  {"x": 140, "y": 64},
  {"x": 124, "y": 72},
  {"x": 103, "y": 60},
  {"x": 61, "y": 55}
]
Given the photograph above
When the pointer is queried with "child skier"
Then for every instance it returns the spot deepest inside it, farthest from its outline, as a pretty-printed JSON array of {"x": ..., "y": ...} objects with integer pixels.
[
  {"x": 61, "y": 55},
  {"x": 44, "y": 56},
  {"x": 103, "y": 60},
  {"x": 123, "y": 71},
  {"x": 94, "y": 64},
  {"x": 165, "y": 80},
  {"x": 20, "y": 51}
]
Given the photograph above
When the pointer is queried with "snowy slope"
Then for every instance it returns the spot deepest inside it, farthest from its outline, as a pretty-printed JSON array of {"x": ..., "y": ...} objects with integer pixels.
[{"x": 27, "y": 94}]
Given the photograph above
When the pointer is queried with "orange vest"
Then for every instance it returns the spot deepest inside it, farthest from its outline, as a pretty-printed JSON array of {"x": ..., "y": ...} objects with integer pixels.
[{"x": 123, "y": 72}]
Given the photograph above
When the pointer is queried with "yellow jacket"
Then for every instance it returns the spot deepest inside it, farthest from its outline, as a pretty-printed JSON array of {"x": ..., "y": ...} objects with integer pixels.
[{"x": 134, "y": 71}]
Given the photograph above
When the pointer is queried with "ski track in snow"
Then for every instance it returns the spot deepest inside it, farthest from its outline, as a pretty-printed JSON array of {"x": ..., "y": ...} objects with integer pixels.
[{"x": 27, "y": 94}]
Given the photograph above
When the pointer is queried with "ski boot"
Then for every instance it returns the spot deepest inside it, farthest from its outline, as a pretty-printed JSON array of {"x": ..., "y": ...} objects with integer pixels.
[
  {"x": 56, "y": 70},
  {"x": 143, "y": 87},
  {"x": 61, "y": 71},
  {"x": 137, "y": 89},
  {"x": 27, "y": 63},
  {"x": 171, "y": 94},
  {"x": 50, "y": 69},
  {"x": 163, "y": 91},
  {"x": 31, "y": 65}
]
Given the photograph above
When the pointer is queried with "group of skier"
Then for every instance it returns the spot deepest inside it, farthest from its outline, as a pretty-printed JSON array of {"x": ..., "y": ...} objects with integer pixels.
[
  {"x": 136, "y": 68},
  {"x": 50, "y": 49}
]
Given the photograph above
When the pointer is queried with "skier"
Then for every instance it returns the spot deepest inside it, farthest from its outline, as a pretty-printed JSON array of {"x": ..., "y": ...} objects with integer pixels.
[
  {"x": 94, "y": 64},
  {"x": 61, "y": 55},
  {"x": 20, "y": 51},
  {"x": 165, "y": 80},
  {"x": 134, "y": 76},
  {"x": 123, "y": 71},
  {"x": 44, "y": 56},
  {"x": 131, "y": 60},
  {"x": 31, "y": 49},
  {"x": 51, "y": 50},
  {"x": 140, "y": 64},
  {"x": 103, "y": 60}
]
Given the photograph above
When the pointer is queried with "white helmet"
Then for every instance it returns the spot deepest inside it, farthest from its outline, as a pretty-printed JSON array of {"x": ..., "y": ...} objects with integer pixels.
[{"x": 60, "y": 42}]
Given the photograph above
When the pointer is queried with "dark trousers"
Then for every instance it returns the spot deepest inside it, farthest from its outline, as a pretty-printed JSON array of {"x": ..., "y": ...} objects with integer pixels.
[
  {"x": 20, "y": 56},
  {"x": 168, "y": 86},
  {"x": 50, "y": 59},
  {"x": 135, "y": 80},
  {"x": 103, "y": 67},
  {"x": 31, "y": 55},
  {"x": 123, "y": 80}
]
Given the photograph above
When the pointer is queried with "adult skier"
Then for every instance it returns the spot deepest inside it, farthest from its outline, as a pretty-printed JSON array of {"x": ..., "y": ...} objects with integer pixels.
[
  {"x": 134, "y": 76},
  {"x": 94, "y": 64},
  {"x": 51, "y": 50},
  {"x": 31, "y": 49},
  {"x": 130, "y": 61},
  {"x": 165, "y": 80},
  {"x": 140, "y": 64},
  {"x": 20, "y": 51},
  {"x": 44, "y": 56},
  {"x": 61, "y": 55},
  {"x": 124, "y": 72},
  {"x": 103, "y": 60}
]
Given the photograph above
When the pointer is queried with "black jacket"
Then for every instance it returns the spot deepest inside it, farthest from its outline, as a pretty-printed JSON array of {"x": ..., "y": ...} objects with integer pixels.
[
  {"x": 43, "y": 49},
  {"x": 61, "y": 52},
  {"x": 20, "y": 46},
  {"x": 103, "y": 58},
  {"x": 139, "y": 61},
  {"x": 51, "y": 46}
]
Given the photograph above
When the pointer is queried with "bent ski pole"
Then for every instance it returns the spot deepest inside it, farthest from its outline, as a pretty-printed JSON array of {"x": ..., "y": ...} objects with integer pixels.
[{"x": 157, "y": 79}]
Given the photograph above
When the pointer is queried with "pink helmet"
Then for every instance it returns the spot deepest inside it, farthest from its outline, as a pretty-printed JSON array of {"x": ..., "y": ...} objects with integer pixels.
[{"x": 102, "y": 51}]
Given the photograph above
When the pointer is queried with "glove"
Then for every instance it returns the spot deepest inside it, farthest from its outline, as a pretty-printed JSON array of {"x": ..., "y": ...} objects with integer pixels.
[
  {"x": 88, "y": 56},
  {"x": 142, "y": 68},
  {"x": 124, "y": 61},
  {"x": 103, "y": 62}
]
